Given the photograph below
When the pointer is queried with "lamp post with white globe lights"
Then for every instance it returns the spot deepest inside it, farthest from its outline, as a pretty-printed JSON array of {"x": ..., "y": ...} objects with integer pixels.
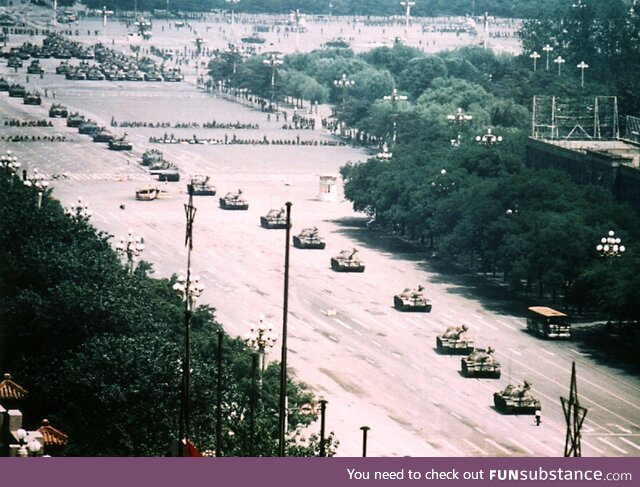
[
  {"x": 582, "y": 66},
  {"x": 394, "y": 98},
  {"x": 610, "y": 246},
  {"x": 459, "y": 118},
  {"x": 9, "y": 163},
  {"x": 385, "y": 155},
  {"x": 535, "y": 56},
  {"x": 273, "y": 62},
  {"x": 408, "y": 6},
  {"x": 79, "y": 211},
  {"x": 130, "y": 247},
  {"x": 260, "y": 339},
  {"x": 488, "y": 138},
  {"x": 38, "y": 183},
  {"x": 559, "y": 61},
  {"x": 547, "y": 48},
  {"x": 343, "y": 83},
  {"x": 28, "y": 445}
]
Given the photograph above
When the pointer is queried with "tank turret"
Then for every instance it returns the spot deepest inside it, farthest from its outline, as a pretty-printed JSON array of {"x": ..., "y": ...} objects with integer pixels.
[
  {"x": 516, "y": 399},
  {"x": 200, "y": 185},
  {"x": 481, "y": 363},
  {"x": 346, "y": 261},
  {"x": 455, "y": 340},
  {"x": 275, "y": 219},
  {"x": 412, "y": 300},
  {"x": 234, "y": 201},
  {"x": 308, "y": 238}
]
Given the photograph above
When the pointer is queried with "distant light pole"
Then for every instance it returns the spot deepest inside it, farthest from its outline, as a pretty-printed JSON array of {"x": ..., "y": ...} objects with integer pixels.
[
  {"x": 394, "y": 98},
  {"x": 79, "y": 211},
  {"x": 9, "y": 163},
  {"x": 323, "y": 411},
  {"x": 488, "y": 138},
  {"x": 547, "y": 48},
  {"x": 582, "y": 66},
  {"x": 233, "y": 4},
  {"x": 535, "y": 56},
  {"x": 385, "y": 154},
  {"x": 260, "y": 339},
  {"x": 273, "y": 62},
  {"x": 130, "y": 247},
  {"x": 610, "y": 246},
  {"x": 559, "y": 61},
  {"x": 364, "y": 429},
  {"x": 408, "y": 5},
  {"x": 459, "y": 118},
  {"x": 343, "y": 83},
  {"x": 441, "y": 184},
  {"x": 38, "y": 183}
]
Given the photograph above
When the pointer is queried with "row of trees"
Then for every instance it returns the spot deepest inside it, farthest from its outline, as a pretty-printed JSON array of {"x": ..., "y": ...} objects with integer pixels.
[
  {"x": 100, "y": 349},
  {"x": 422, "y": 8}
]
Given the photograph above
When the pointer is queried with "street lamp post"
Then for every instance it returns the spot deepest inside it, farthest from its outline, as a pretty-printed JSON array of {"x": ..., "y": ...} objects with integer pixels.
[
  {"x": 9, "y": 163},
  {"x": 459, "y": 118},
  {"x": 79, "y": 211},
  {"x": 394, "y": 98},
  {"x": 488, "y": 139},
  {"x": 273, "y": 62},
  {"x": 38, "y": 183},
  {"x": 408, "y": 5},
  {"x": 535, "y": 56},
  {"x": 233, "y": 4},
  {"x": 559, "y": 61},
  {"x": 364, "y": 429},
  {"x": 323, "y": 410},
  {"x": 610, "y": 246},
  {"x": 130, "y": 247},
  {"x": 547, "y": 48},
  {"x": 343, "y": 83},
  {"x": 282, "y": 416},
  {"x": 582, "y": 66},
  {"x": 385, "y": 154}
]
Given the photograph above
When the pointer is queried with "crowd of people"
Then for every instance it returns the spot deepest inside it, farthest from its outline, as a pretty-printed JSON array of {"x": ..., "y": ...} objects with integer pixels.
[
  {"x": 14, "y": 122},
  {"x": 185, "y": 125},
  {"x": 171, "y": 139},
  {"x": 33, "y": 138}
]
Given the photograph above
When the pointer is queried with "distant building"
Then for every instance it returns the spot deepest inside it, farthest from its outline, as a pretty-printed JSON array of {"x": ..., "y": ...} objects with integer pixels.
[{"x": 611, "y": 164}]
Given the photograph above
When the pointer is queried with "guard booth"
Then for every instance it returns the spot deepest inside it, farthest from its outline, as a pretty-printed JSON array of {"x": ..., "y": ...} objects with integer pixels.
[{"x": 328, "y": 188}]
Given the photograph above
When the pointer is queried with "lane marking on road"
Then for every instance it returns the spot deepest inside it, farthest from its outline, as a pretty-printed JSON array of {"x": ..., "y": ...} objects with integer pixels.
[
  {"x": 349, "y": 349},
  {"x": 580, "y": 353},
  {"x": 389, "y": 396},
  {"x": 607, "y": 442},
  {"x": 333, "y": 338},
  {"x": 389, "y": 373},
  {"x": 521, "y": 446},
  {"x": 474, "y": 446},
  {"x": 515, "y": 352},
  {"x": 591, "y": 445},
  {"x": 624, "y": 430},
  {"x": 305, "y": 301},
  {"x": 480, "y": 430},
  {"x": 376, "y": 343},
  {"x": 507, "y": 325},
  {"x": 414, "y": 366},
  {"x": 446, "y": 315},
  {"x": 396, "y": 354},
  {"x": 410, "y": 387},
  {"x": 361, "y": 323},
  {"x": 323, "y": 323},
  {"x": 369, "y": 360},
  {"x": 357, "y": 332},
  {"x": 304, "y": 323},
  {"x": 631, "y": 443},
  {"x": 340, "y": 322},
  {"x": 455, "y": 415},
  {"x": 499, "y": 446},
  {"x": 549, "y": 352}
]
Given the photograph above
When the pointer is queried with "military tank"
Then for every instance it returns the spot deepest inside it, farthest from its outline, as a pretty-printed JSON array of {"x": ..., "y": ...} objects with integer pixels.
[
  {"x": 4, "y": 85},
  {"x": 32, "y": 99},
  {"x": 455, "y": 340},
  {"x": 151, "y": 156},
  {"x": 35, "y": 68},
  {"x": 200, "y": 186},
  {"x": 412, "y": 300},
  {"x": 120, "y": 143},
  {"x": 75, "y": 120},
  {"x": 481, "y": 363},
  {"x": 58, "y": 111},
  {"x": 274, "y": 220},
  {"x": 103, "y": 135},
  {"x": 516, "y": 399},
  {"x": 14, "y": 62},
  {"x": 308, "y": 238},
  {"x": 63, "y": 67},
  {"x": 88, "y": 128},
  {"x": 234, "y": 201},
  {"x": 346, "y": 261},
  {"x": 17, "y": 91}
]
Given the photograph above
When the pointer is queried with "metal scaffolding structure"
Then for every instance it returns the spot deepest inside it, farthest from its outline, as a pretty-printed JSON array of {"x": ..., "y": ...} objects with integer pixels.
[{"x": 575, "y": 118}]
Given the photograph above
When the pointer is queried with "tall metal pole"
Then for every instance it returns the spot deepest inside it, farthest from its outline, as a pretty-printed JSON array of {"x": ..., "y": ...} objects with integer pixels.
[
  {"x": 283, "y": 359},
  {"x": 219, "y": 396},
  {"x": 574, "y": 415},
  {"x": 364, "y": 440},
  {"x": 254, "y": 394},
  {"x": 323, "y": 409}
]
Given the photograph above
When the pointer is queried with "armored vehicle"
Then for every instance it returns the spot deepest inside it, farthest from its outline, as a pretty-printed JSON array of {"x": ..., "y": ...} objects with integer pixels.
[
  {"x": 234, "y": 201},
  {"x": 518, "y": 400},
  {"x": 4, "y": 85},
  {"x": 275, "y": 219},
  {"x": 346, "y": 261},
  {"x": 88, "y": 128},
  {"x": 149, "y": 193},
  {"x": 254, "y": 39},
  {"x": 151, "y": 156},
  {"x": 14, "y": 62},
  {"x": 75, "y": 120},
  {"x": 63, "y": 67},
  {"x": 35, "y": 68},
  {"x": 120, "y": 143},
  {"x": 412, "y": 300},
  {"x": 481, "y": 363},
  {"x": 103, "y": 135},
  {"x": 308, "y": 238},
  {"x": 32, "y": 99},
  {"x": 17, "y": 91},
  {"x": 94, "y": 74},
  {"x": 58, "y": 111},
  {"x": 166, "y": 174},
  {"x": 455, "y": 340},
  {"x": 200, "y": 186}
]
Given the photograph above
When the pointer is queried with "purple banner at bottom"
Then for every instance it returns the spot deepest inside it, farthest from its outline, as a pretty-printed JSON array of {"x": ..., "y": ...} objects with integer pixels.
[{"x": 316, "y": 472}]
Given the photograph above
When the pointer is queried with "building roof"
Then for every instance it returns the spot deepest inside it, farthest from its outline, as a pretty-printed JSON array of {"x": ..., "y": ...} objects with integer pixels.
[
  {"x": 10, "y": 390},
  {"x": 51, "y": 435}
]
